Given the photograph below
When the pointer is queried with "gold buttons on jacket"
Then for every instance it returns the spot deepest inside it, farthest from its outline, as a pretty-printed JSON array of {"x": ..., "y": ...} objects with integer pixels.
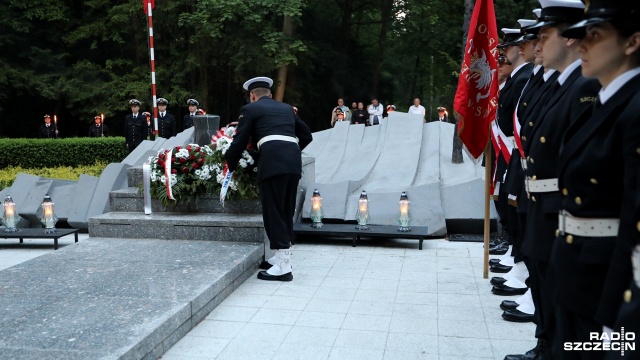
[
  {"x": 533, "y": 198},
  {"x": 534, "y": 177},
  {"x": 638, "y": 151},
  {"x": 543, "y": 140},
  {"x": 565, "y": 192},
  {"x": 557, "y": 232},
  {"x": 578, "y": 200},
  {"x": 638, "y": 225},
  {"x": 524, "y": 138},
  {"x": 524, "y": 103},
  {"x": 531, "y": 160},
  {"x": 530, "y": 123},
  {"x": 627, "y": 296},
  {"x": 569, "y": 239},
  {"x": 594, "y": 181}
]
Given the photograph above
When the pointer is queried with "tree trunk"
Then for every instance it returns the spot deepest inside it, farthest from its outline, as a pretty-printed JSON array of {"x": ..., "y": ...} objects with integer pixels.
[
  {"x": 456, "y": 156},
  {"x": 387, "y": 7},
  {"x": 287, "y": 29}
]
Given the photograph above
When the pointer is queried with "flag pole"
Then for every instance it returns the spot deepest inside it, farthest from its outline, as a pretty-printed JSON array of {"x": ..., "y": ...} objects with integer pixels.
[
  {"x": 487, "y": 212},
  {"x": 149, "y": 8}
]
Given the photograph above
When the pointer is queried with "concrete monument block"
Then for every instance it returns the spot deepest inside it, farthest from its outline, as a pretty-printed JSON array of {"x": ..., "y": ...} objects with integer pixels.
[
  {"x": 21, "y": 187},
  {"x": 205, "y": 126},
  {"x": 113, "y": 177},
  {"x": 84, "y": 192}
]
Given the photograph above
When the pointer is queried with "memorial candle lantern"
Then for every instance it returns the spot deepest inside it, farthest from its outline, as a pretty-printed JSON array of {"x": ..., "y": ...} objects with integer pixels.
[
  {"x": 362, "y": 215},
  {"x": 316, "y": 214},
  {"x": 404, "y": 218},
  {"x": 47, "y": 215},
  {"x": 9, "y": 217}
]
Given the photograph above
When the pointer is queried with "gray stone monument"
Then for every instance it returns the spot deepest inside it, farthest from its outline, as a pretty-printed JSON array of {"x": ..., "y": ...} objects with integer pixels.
[{"x": 205, "y": 127}]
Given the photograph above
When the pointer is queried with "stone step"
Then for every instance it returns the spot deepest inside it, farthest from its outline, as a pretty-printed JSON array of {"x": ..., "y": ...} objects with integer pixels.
[
  {"x": 132, "y": 200},
  {"x": 123, "y": 299},
  {"x": 176, "y": 226}
]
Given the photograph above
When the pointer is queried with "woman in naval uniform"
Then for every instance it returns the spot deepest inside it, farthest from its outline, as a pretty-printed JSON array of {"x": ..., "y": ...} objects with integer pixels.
[{"x": 591, "y": 257}]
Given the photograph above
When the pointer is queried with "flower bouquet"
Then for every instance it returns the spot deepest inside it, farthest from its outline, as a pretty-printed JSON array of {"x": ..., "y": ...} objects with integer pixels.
[{"x": 195, "y": 171}]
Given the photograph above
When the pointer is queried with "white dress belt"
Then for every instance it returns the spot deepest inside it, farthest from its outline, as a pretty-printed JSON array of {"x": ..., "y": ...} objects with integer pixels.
[
  {"x": 277, "y": 137},
  {"x": 541, "y": 186},
  {"x": 589, "y": 227}
]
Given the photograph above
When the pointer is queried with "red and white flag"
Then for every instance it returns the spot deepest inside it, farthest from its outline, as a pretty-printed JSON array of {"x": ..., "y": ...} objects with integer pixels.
[
  {"x": 145, "y": 5},
  {"x": 476, "y": 99}
]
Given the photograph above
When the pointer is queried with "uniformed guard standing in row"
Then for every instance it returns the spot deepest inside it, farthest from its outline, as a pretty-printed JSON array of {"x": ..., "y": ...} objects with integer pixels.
[
  {"x": 572, "y": 98},
  {"x": 598, "y": 172},
  {"x": 279, "y": 135},
  {"x": 506, "y": 105},
  {"x": 135, "y": 126},
  {"x": 193, "y": 111},
  {"x": 98, "y": 129},
  {"x": 166, "y": 122},
  {"x": 48, "y": 130},
  {"x": 149, "y": 131}
]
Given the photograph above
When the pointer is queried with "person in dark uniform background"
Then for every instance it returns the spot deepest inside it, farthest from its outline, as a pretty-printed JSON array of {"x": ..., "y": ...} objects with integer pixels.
[
  {"x": 166, "y": 122},
  {"x": 135, "y": 126},
  {"x": 598, "y": 174},
  {"x": 279, "y": 135},
  {"x": 193, "y": 111},
  {"x": 48, "y": 130},
  {"x": 98, "y": 129},
  {"x": 507, "y": 101}
]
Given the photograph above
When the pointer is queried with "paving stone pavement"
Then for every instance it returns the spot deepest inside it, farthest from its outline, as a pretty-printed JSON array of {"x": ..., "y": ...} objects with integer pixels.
[{"x": 380, "y": 300}]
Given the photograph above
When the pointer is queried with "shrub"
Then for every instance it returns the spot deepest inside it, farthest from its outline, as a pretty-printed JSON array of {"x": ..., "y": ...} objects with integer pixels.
[
  {"x": 8, "y": 175},
  {"x": 51, "y": 153}
]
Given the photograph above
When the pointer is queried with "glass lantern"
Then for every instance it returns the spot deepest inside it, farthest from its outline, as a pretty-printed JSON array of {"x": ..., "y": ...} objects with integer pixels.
[
  {"x": 47, "y": 215},
  {"x": 404, "y": 218},
  {"x": 316, "y": 214},
  {"x": 9, "y": 218},
  {"x": 362, "y": 215}
]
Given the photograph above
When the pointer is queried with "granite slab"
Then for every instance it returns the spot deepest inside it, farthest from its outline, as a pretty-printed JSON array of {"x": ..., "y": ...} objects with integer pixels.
[{"x": 116, "y": 298}]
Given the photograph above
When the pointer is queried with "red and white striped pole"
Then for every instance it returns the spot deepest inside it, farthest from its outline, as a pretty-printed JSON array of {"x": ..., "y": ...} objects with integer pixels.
[{"x": 148, "y": 6}]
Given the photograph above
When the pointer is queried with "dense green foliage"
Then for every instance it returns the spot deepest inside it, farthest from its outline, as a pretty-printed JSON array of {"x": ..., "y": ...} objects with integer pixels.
[
  {"x": 8, "y": 175},
  {"x": 79, "y": 58},
  {"x": 45, "y": 153}
]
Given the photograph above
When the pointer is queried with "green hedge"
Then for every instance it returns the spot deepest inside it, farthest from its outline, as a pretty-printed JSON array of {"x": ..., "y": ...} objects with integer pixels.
[
  {"x": 8, "y": 175},
  {"x": 44, "y": 153}
]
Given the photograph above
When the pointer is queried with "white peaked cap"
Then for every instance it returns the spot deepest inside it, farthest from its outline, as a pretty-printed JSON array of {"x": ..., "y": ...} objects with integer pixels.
[
  {"x": 510, "y": 31},
  {"x": 526, "y": 22},
  {"x": 577, "y": 4},
  {"x": 537, "y": 12}
]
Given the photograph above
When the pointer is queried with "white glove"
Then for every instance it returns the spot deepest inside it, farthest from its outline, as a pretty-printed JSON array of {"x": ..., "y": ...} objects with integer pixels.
[{"x": 609, "y": 332}]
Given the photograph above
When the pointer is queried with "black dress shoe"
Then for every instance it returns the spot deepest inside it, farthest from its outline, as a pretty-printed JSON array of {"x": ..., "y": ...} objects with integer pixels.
[
  {"x": 494, "y": 262},
  {"x": 263, "y": 275},
  {"x": 500, "y": 268},
  {"x": 517, "y": 316},
  {"x": 508, "y": 305},
  {"x": 500, "y": 249},
  {"x": 505, "y": 290},
  {"x": 265, "y": 265},
  {"x": 537, "y": 353},
  {"x": 496, "y": 280}
]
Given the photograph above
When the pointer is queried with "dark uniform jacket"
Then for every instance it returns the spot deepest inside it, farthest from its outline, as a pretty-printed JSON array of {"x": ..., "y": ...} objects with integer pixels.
[
  {"x": 135, "y": 130},
  {"x": 98, "y": 131},
  {"x": 507, "y": 101},
  {"x": 364, "y": 119},
  {"x": 598, "y": 164},
  {"x": 515, "y": 175},
  {"x": 167, "y": 126},
  {"x": 188, "y": 121},
  {"x": 270, "y": 117},
  {"x": 629, "y": 235},
  {"x": 528, "y": 117},
  {"x": 47, "y": 131},
  {"x": 571, "y": 101}
]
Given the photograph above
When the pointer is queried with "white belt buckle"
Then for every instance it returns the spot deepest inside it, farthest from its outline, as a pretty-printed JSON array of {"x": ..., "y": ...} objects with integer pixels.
[
  {"x": 635, "y": 262},
  {"x": 561, "y": 221}
]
